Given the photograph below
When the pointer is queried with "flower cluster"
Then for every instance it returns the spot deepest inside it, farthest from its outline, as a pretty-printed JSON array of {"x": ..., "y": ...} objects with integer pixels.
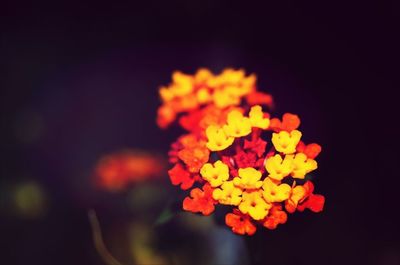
[
  {"x": 187, "y": 94},
  {"x": 234, "y": 154}
]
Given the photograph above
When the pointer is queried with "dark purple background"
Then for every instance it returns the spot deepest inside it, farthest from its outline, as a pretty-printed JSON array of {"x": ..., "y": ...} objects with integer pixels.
[{"x": 91, "y": 71}]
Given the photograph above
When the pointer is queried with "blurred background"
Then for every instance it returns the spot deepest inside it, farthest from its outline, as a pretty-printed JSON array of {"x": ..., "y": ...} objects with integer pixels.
[{"x": 79, "y": 96}]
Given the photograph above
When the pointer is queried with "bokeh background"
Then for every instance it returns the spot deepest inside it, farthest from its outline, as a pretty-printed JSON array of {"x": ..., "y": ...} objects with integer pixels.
[{"x": 79, "y": 81}]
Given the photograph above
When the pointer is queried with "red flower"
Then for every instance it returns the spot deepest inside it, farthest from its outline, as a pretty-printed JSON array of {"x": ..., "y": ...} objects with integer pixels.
[
  {"x": 240, "y": 223},
  {"x": 117, "y": 170},
  {"x": 259, "y": 98},
  {"x": 228, "y": 160},
  {"x": 191, "y": 121},
  {"x": 173, "y": 152},
  {"x": 256, "y": 145},
  {"x": 275, "y": 216},
  {"x": 165, "y": 116},
  {"x": 179, "y": 175},
  {"x": 194, "y": 157},
  {"x": 201, "y": 201},
  {"x": 191, "y": 150},
  {"x": 289, "y": 123},
  {"x": 310, "y": 150},
  {"x": 314, "y": 202},
  {"x": 244, "y": 159},
  {"x": 198, "y": 120}
]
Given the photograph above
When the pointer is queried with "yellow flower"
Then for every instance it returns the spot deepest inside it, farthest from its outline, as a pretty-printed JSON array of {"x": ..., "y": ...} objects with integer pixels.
[
  {"x": 203, "y": 96},
  {"x": 232, "y": 76},
  {"x": 254, "y": 205},
  {"x": 257, "y": 118},
  {"x": 274, "y": 192},
  {"x": 166, "y": 94},
  {"x": 303, "y": 165},
  {"x": 285, "y": 142},
  {"x": 279, "y": 168},
  {"x": 228, "y": 194},
  {"x": 182, "y": 84},
  {"x": 224, "y": 97},
  {"x": 249, "y": 178},
  {"x": 227, "y": 77},
  {"x": 247, "y": 85},
  {"x": 237, "y": 125},
  {"x": 202, "y": 75},
  {"x": 296, "y": 194},
  {"x": 217, "y": 139},
  {"x": 215, "y": 175},
  {"x": 234, "y": 82}
]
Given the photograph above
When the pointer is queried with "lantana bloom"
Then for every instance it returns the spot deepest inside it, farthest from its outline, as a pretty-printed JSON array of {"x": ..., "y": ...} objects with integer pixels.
[
  {"x": 215, "y": 174},
  {"x": 234, "y": 154}
]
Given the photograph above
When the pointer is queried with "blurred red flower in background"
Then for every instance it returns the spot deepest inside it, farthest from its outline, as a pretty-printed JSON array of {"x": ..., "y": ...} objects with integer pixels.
[{"x": 117, "y": 170}]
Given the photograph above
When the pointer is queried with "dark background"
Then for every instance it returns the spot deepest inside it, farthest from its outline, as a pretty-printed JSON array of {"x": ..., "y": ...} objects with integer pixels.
[{"x": 81, "y": 80}]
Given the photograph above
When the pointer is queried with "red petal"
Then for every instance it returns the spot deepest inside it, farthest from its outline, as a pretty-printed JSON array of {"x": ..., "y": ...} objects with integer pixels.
[
  {"x": 316, "y": 203},
  {"x": 275, "y": 124},
  {"x": 301, "y": 146},
  {"x": 290, "y": 122},
  {"x": 201, "y": 201},
  {"x": 240, "y": 223},
  {"x": 312, "y": 150},
  {"x": 179, "y": 175},
  {"x": 256, "y": 145},
  {"x": 259, "y": 98}
]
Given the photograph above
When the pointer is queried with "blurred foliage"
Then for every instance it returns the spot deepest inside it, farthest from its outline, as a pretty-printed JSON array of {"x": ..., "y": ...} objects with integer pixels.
[{"x": 30, "y": 200}]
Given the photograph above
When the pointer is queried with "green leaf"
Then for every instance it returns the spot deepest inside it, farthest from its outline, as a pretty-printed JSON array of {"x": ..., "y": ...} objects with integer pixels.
[{"x": 166, "y": 215}]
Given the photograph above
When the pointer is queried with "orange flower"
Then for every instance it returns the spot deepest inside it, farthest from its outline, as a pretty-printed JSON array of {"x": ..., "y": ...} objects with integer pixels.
[
  {"x": 179, "y": 176},
  {"x": 194, "y": 157},
  {"x": 198, "y": 120},
  {"x": 115, "y": 171},
  {"x": 310, "y": 150},
  {"x": 275, "y": 216},
  {"x": 110, "y": 174},
  {"x": 289, "y": 123},
  {"x": 297, "y": 194},
  {"x": 201, "y": 201},
  {"x": 165, "y": 116},
  {"x": 194, "y": 154},
  {"x": 240, "y": 223},
  {"x": 259, "y": 98},
  {"x": 214, "y": 116},
  {"x": 314, "y": 202},
  {"x": 191, "y": 121},
  {"x": 191, "y": 150}
]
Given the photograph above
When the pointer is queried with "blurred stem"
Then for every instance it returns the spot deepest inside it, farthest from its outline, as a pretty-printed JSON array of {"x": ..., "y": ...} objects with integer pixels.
[{"x": 98, "y": 240}]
